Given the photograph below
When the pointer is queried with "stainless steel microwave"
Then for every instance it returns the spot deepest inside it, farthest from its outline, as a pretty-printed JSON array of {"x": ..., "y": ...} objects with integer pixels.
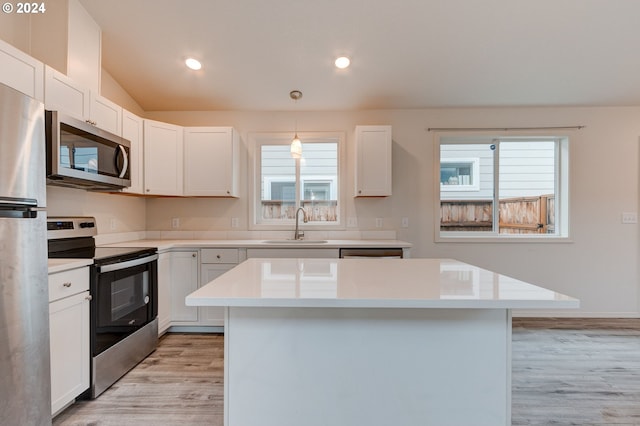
[{"x": 81, "y": 155}]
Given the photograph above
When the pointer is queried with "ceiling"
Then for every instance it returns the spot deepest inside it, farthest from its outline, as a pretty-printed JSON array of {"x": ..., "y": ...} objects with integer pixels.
[{"x": 405, "y": 53}]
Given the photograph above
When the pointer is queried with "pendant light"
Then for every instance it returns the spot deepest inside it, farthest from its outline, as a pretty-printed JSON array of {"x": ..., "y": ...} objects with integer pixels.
[{"x": 296, "y": 144}]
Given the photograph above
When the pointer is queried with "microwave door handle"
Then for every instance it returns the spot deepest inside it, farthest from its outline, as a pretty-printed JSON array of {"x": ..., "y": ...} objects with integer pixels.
[{"x": 125, "y": 166}]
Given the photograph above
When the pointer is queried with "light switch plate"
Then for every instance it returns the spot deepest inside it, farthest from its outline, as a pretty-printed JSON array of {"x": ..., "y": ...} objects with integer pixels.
[
  {"x": 629, "y": 217},
  {"x": 175, "y": 223},
  {"x": 378, "y": 222},
  {"x": 352, "y": 222},
  {"x": 235, "y": 222},
  {"x": 405, "y": 222}
]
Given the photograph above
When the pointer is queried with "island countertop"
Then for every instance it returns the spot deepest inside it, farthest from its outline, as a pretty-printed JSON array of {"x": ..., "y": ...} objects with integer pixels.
[{"x": 366, "y": 283}]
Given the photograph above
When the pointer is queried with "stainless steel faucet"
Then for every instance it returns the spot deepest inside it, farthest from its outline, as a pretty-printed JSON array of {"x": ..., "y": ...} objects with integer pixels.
[{"x": 298, "y": 234}]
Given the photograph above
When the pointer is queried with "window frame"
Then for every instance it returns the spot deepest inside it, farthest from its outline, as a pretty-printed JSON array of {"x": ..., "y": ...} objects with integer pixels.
[
  {"x": 561, "y": 175},
  {"x": 256, "y": 141}
]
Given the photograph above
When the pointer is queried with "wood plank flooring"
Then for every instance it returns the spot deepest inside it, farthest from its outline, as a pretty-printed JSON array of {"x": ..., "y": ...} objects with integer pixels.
[
  {"x": 565, "y": 372},
  {"x": 181, "y": 383}
]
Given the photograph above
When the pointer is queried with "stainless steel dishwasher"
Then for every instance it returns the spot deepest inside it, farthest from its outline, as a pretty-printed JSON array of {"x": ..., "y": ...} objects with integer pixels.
[{"x": 380, "y": 253}]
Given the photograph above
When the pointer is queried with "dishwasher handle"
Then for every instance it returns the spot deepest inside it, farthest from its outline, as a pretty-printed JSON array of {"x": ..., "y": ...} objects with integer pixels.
[{"x": 379, "y": 253}]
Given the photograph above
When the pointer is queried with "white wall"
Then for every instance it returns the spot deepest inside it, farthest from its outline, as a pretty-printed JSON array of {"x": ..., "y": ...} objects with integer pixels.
[
  {"x": 124, "y": 213},
  {"x": 598, "y": 265}
]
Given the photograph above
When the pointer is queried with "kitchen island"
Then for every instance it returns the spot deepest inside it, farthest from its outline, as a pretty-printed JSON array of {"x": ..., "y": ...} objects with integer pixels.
[{"x": 362, "y": 342}]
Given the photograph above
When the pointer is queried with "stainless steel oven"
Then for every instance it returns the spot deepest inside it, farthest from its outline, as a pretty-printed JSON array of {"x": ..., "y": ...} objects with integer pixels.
[{"x": 124, "y": 304}]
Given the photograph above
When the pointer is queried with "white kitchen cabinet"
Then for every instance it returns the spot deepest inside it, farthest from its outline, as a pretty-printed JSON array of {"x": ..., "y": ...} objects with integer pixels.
[
  {"x": 63, "y": 94},
  {"x": 21, "y": 72},
  {"x": 184, "y": 281},
  {"x": 105, "y": 114},
  {"x": 373, "y": 161},
  {"x": 211, "y": 162},
  {"x": 215, "y": 262},
  {"x": 163, "y": 155},
  {"x": 164, "y": 292},
  {"x": 132, "y": 130},
  {"x": 69, "y": 336}
]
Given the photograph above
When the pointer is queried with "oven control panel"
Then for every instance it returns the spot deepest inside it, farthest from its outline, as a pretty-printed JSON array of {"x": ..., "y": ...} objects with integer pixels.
[{"x": 70, "y": 227}]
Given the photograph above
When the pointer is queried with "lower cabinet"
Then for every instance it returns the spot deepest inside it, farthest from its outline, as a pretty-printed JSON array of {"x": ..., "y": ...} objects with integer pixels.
[
  {"x": 69, "y": 336},
  {"x": 180, "y": 273},
  {"x": 212, "y": 315},
  {"x": 184, "y": 281}
]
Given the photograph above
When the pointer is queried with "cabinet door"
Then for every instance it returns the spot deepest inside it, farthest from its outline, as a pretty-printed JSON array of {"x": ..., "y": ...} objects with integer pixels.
[
  {"x": 164, "y": 292},
  {"x": 105, "y": 114},
  {"x": 211, "y": 161},
  {"x": 208, "y": 272},
  {"x": 373, "y": 161},
  {"x": 132, "y": 131},
  {"x": 184, "y": 281},
  {"x": 21, "y": 72},
  {"x": 162, "y": 158},
  {"x": 69, "y": 331},
  {"x": 63, "y": 94}
]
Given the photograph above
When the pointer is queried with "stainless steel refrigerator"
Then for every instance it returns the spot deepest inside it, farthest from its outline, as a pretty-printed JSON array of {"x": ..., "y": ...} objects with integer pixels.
[{"x": 25, "y": 378}]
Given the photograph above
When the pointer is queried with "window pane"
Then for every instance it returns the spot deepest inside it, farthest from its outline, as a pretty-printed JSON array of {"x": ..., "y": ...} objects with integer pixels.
[
  {"x": 527, "y": 187},
  {"x": 466, "y": 187},
  {"x": 278, "y": 182},
  {"x": 319, "y": 176}
]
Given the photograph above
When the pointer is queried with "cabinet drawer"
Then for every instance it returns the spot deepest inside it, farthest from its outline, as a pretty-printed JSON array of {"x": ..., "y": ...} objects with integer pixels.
[
  {"x": 67, "y": 283},
  {"x": 219, "y": 256}
]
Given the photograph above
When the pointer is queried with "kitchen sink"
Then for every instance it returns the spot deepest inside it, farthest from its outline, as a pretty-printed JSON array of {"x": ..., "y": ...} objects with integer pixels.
[{"x": 295, "y": 241}]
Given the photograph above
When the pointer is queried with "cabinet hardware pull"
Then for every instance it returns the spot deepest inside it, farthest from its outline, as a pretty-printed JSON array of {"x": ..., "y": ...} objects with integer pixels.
[
  {"x": 67, "y": 284},
  {"x": 193, "y": 255},
  {"x": 89, "y": 297},
  {"x": 218, "y": 256}
]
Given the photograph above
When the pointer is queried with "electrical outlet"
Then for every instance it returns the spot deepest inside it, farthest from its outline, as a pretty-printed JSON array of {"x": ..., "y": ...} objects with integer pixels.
[
  {"x": 352, "y": 222},
  {"x": 378, "y": 222},
  {"x": 405, "y": 222},
  {"x": 235, "y": 222},
  {"x": 112, "y": 224},
  {"x": 175, "y": 223},
  {"x": 629, "y": 217}
]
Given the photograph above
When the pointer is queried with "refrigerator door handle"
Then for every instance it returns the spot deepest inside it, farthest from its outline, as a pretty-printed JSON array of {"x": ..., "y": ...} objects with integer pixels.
[{"x": 17, "y": 202}]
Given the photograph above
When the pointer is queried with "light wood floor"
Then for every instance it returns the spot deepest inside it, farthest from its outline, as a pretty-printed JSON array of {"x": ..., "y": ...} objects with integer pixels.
[{"x": 565, "y": 372}]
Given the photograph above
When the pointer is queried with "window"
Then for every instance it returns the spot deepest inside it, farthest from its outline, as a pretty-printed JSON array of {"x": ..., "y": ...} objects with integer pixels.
[
  {"x": 502, "y": 186},
  {"x": 459, "y": 174},
  {"x": 282, "y": 183}
]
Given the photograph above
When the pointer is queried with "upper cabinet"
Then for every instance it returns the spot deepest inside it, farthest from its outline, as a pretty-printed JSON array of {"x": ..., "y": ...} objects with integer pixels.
[
  {"x": 132, "y": 130},
  {"x": 163, "y": 155},
  {"x": 64, "y": 94},
  {"x": 21, "y": 72},
  {"x": 61, "y": 93},
  {"x": 211, "y": 161},
  {"x": 373, "y": 161},
  {"x": 105, "y": 114}
]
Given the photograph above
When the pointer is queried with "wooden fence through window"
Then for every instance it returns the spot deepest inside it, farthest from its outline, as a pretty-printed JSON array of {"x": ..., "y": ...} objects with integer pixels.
[{"x": 521, "y": 215}]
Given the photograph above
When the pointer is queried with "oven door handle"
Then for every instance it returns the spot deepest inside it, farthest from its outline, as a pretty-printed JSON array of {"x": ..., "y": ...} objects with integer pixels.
[{"x": 127, "y": 264}]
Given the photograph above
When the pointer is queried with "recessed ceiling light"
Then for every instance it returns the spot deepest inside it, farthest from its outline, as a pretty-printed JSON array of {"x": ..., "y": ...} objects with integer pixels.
[
  {"x": 194, "y": 64},
  {"x": 342, "y": 62}
]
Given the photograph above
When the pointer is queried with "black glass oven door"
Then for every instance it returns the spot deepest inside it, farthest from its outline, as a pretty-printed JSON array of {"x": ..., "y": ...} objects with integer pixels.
[{"x": 124, "y": 304}]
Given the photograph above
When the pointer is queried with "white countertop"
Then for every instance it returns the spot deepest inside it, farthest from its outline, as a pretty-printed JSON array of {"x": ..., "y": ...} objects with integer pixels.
[
  {"x": 367, "y": 283},
  {"x": 60, "y": 265},
  {"x": 169, "y": 244}
]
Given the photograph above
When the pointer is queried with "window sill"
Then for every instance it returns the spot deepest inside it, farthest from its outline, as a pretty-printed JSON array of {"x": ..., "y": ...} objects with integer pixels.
[{"x": 503, "y": 239}]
